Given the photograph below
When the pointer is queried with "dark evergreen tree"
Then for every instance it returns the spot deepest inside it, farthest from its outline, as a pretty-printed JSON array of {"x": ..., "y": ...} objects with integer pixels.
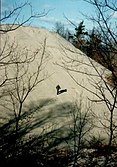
[{"x": 80, "y": 32}]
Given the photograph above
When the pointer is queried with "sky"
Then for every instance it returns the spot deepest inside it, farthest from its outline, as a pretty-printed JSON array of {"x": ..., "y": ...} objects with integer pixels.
[{"x": 74, "y": 10}]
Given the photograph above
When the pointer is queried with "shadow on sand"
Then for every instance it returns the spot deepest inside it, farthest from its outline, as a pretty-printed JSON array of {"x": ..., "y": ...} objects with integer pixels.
[{"x": 38, "y": 138}]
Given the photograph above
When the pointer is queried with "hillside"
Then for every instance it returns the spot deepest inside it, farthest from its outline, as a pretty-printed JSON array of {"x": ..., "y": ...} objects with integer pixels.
[{"x": 79, "y": 77}]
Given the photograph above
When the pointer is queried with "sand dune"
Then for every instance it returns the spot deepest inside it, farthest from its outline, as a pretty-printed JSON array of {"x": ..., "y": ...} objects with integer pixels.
[{"x": 58, "y": 53}]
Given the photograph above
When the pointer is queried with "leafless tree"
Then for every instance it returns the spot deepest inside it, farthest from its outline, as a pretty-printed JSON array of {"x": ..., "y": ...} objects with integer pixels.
[
  {"x": 106, "y": 92},
  {"x": 18, "y": 19},
  {"x": 6, "y": 50},
  {"x": 22, "y": 79},
  {"x": 80, "y": 127},
  {"x": 17, "y": 79},
  {"x": 105, "y": 11}
]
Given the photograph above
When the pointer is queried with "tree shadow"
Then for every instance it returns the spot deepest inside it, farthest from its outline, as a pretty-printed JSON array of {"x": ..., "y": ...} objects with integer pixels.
[
  {"x": 45, "y": 136},
  {"x": 42, "y": 129}
]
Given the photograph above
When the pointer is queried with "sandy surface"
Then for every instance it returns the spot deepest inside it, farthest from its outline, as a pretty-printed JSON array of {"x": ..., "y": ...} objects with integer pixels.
[{"x": 58, "y": 52}]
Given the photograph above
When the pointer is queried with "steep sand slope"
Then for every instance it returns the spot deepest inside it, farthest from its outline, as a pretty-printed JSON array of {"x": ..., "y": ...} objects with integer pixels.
[{"x": 59, "y": 52}]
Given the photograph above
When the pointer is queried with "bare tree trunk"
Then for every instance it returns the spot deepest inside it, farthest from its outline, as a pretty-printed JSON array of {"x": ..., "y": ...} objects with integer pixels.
[{"x": 18, "y": 117}]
